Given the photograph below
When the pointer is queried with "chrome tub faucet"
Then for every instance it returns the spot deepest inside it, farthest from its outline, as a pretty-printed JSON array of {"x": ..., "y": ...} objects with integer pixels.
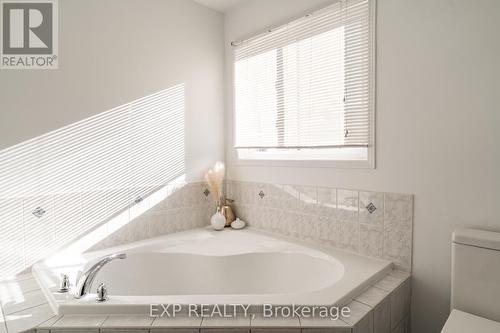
[{"x": 85, "y": 281}]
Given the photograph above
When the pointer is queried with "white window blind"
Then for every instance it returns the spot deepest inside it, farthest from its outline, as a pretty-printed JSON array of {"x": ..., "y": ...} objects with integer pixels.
[{"x": 307, "y": 84}]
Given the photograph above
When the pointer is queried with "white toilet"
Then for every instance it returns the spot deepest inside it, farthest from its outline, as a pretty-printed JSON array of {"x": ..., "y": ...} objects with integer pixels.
[{"x": 475, "y": 282}]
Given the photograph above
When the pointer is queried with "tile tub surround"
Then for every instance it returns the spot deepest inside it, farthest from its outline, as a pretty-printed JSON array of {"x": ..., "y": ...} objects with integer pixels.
[
  {"x": 34, "y": 227},
  {"x": 374, "y": 224},
  {"x": 186, "y": 206},
  {"x": 381, "y": 308}
]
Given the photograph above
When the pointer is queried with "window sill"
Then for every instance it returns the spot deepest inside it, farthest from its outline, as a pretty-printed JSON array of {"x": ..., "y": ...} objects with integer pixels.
[
  {"x": 341, "y": 164},
  {"x": 365, "y": 160}
]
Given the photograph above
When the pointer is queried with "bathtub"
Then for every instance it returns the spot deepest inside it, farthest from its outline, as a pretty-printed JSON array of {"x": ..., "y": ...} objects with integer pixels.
[{"x": 203, "y": 266}]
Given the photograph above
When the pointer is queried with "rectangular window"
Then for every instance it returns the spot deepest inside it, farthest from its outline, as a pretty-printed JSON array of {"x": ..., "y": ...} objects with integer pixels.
[{"x": 304, "y": 91}]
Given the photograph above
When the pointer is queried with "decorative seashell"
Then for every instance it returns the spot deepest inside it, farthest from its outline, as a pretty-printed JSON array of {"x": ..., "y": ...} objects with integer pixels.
[{"x": 238, "y": 224}]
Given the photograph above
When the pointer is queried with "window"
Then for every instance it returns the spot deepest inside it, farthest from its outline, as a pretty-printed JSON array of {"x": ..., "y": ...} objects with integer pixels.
[{"x": 304, "y": 91}]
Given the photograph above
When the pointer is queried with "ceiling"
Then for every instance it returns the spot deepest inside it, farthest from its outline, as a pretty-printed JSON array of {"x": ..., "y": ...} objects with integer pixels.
[{"x": 219, "y": 5}]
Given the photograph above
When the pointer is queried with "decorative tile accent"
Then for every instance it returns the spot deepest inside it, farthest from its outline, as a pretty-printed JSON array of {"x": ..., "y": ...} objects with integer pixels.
[
  {"x": 38, "y": 212},
  {"x": 262, "y": 194},
  {"x": 39, "y": 232},
  {"x": 206, "y": 192},
  {"x": 371, "y": 208},
  {"x": 375, "y": 224}
]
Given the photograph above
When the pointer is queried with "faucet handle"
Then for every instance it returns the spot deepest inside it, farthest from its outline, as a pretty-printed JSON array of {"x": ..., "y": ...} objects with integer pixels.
[
  {"x": 102, "y": 293},
  {"x": 64, "y": 284}
]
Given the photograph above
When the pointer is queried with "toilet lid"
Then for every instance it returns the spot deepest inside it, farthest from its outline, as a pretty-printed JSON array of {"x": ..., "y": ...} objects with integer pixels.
[{"x": 463, "y": 322}]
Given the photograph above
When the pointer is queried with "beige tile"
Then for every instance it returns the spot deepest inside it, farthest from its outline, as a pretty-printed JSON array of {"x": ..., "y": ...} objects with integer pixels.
[
  {"x": 347, "y": 205},
  {"x": 129, "y": 321},
  {"x": 249, "y": 193},
  {"x": 17, "y": 301},
  {"x": 276, "y": 330},
  {"x": 400, "y": 303},
  {"x": 326, "y": 330},
  {"x": 124, "y": 330},
  {"x": 112, "y": 202},
  {"x": 233, "y": 191},
  {"x": 326, "y": 322},
  {"x": 399, "y": 274},
  {"x": 389, "y": 283},
  {"x": 260, "y": 321},
  {"x": 22, "y": 285},
  {"x": 289, "y": 198},
  {"x": 400, "y": 327},
  {"x": 3, "y": 328},
  {"x": 11, "y": 236},
  {"x": 327, "y": 202},
  {"x": 174, "y": 330},
  {"x": 308, "y": 199},
  {"x": 398, "y": 208},
  {"x": 365, "y": 325},
  {"x": 372, "y": 296},
  {"x": 39, "y": 232},
  {"x": 80, "y": 321},
  {"x": 238, "y": 321},
  {"x": 382, "y": 317},
  {"x": 398, "y": 214},
  {"x": 273, "y": 195},
  {"x": 46, "y": 325},
  {"x": 358, "y": 312},
  {"x": 225, "y": 330},
  {"x": 71, "y": 330},
  {"x": 68, "y": 217},
  {"x": 348, "y": 238},
  {"x": 371, "y": 240},
  {"x": 49, "y": 322},
  {"x": 28, "y": 319},
  {"x": 177, "y": 322}
]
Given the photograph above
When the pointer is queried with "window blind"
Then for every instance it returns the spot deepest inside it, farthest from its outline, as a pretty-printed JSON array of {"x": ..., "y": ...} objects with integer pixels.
[{"x": 307, "y": 84}]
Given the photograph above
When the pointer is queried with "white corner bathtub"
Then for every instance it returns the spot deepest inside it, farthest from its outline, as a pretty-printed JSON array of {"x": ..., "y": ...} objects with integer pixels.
[{"x": 202, "y": 266}]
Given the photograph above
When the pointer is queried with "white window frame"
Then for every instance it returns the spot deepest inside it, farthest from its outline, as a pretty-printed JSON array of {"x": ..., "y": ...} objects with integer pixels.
[{"x": 270, "y": 159}]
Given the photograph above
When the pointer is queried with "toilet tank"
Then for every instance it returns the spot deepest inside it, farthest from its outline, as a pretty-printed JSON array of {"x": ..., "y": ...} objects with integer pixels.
[{"x": 475, "y": 276}]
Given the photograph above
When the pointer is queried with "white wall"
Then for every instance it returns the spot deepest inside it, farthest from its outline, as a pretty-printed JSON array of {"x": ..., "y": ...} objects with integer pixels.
[
  {"x": 438, "y": 74},
  {"x": 113, "y": 52},
  {"x": 110, "y": 53}
]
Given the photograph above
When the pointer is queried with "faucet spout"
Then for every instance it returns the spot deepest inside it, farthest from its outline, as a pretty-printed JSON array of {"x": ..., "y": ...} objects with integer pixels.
[{"x": 85, "y": 282}]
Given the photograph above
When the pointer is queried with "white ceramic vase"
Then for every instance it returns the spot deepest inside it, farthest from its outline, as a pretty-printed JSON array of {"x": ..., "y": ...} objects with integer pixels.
[
  {"x": 238, "y": 224},
  {"x": 218, "y": 221}
]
